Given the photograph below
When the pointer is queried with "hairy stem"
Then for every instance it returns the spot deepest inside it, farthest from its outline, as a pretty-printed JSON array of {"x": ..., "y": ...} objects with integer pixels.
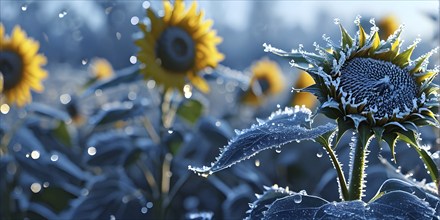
[
  {"x": 358, "y": 165},
  {"x": 341, "y": 178}
]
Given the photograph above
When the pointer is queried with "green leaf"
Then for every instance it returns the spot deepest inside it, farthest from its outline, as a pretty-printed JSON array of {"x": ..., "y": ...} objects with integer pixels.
[
  {"x": 391, "y": 139},
  {"x": 362, "y": 36},
  {"x": 343, "y": 126},
  {"x": 378, "y": 132},
  {"x": 430, "y": 164},
  {"x": 364, "y": 133},
  {"x": 346, "y": 38},
  {"x": 282, "y": 127},
  {"x": 325, "y": 138},
  {"x": 190, "y": 110},
  {"x": 63, "y": 134},
  {"x": 419, "y": 63},
  {"x": 403, "y": 59},
  {"x": 409, "y": 137}
]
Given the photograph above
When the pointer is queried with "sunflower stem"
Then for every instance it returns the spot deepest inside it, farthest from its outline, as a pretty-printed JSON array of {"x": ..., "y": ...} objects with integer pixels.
[
  {"x": 358, "y": 164},
  {"x": 341, "y": 178}
]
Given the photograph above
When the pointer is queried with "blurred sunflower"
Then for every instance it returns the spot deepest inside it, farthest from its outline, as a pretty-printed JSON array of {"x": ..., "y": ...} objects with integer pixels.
[
  {"x": 304, "y": 98},
  {"x": 177, "y": 46},
  {"x": 266, "y": 80},
  {"x": 20, "y": 65},
  {"x": 370, "y": 85},
  {"x": 387, "y": 26},
  {"x": 101, "y": 69}
]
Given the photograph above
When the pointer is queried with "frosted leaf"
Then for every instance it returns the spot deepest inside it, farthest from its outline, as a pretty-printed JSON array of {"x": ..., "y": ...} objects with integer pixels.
[
  {"x": 397, "y": 203},
  {"x": 264, "y": 200},
  {"x": 288, "y": 208},
  {"x": 342, "y": 210},
  {"x": 282, "y": 127}
]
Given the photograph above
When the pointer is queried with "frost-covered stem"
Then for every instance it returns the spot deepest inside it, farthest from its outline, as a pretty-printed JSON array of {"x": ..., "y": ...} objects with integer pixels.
[
  {"x": 341, "y": 178},
  {"x": 358, "y": 165}
]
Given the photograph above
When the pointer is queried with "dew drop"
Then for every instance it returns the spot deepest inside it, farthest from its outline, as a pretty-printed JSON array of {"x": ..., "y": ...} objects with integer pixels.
[
  {"x": 36, "y": 187},
  {"x": 62, "y": 14},
  {"x": 4, "y": 108},
  {"x": 24, "y": 7},
  {"x": 91, "y": 151},
  {"x": 35, "y": 154},
  {"x": 112, "y": 217},
  {"x": 170, "y": 131},
  {"x": 84, "y": 61},
  {"x": 319, "y": 154},
  {"x": 144, "y": 210},
  {"x": 149, "y": 205},
  {"x": 84, "y": 192},
  {"x": 303, "y": 192},
  {"x": 54, "y": 157},
  {"x": 98, "y": 92},
  {"x": 65, "y": 99},
  {"x": 146, "y": 4},
  {"x": 118, "y": 35},
  {"x": 132, "y": 95},
  {"x": 151, "y": 84},
  {"x": 278, "y": 106},
  {"x": 134, "y": 20},
  {"x": 133, "y": 59},
  {"x": 278, "y": 150},
  {"x": 297, "y": 198},
  {"x": 257, "y": 163}
]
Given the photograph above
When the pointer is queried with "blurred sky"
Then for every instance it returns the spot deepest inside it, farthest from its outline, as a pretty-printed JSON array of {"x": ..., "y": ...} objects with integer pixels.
[{"x": 76, "y": 30}]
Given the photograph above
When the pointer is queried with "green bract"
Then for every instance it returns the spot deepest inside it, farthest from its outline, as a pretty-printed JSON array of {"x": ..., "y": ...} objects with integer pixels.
[{"x": 371, "y": 85}]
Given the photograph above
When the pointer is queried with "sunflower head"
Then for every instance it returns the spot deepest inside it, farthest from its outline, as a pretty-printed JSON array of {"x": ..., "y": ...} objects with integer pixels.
[
  {"x": 372, "y": 82},
  {"x": 101, "y": 69},
  {"x": 266, "y": 80},
  {"x": 177, "y": 46},
  {"x": 20, "y": 67}
]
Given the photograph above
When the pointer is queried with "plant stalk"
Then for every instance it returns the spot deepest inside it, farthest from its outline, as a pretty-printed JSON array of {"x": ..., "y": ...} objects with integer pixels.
[{"x": 358, "y": 170}]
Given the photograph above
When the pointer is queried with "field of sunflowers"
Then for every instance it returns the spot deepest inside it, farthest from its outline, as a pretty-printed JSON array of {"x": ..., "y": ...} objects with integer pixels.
[{"x": 242, "y": 109}]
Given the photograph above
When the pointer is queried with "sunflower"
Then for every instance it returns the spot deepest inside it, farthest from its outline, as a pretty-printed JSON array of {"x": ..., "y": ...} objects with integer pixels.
[
  {"x": 177, "y": 46},
  {"x": 387, "y": 26},
  {"x": 304, "y": 98},
  {"x": 20, "y": 66},
  {"x": 266, "y": 80},
  {"x": 101, "y": 68},
  {"x": 370, "y": 85}
]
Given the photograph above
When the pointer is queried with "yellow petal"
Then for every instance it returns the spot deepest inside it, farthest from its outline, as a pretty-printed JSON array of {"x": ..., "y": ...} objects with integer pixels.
[
  {"x": 18, "y": 36},
  {"x": 199, "y": 83},
  {"x": 178, "y": 12}
]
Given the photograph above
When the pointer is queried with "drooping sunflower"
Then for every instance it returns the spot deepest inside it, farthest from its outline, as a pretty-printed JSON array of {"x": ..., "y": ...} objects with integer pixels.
[
  {"x": 177, "y": 46},
  {"x": 20, "y": 65},
  {"x": 266, "y": 80},
  {"x": 387, "y": 26},
  {"x": 101, "y": 68},
  {"x": 304, "y": 98},
  {"x": 370, "y": 85}
]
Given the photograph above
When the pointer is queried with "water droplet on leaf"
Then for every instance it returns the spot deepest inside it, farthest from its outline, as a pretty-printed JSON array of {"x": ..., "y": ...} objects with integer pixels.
[
  {"x": 319, "y": 154},
  {"x": 297, "y": 198}
]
